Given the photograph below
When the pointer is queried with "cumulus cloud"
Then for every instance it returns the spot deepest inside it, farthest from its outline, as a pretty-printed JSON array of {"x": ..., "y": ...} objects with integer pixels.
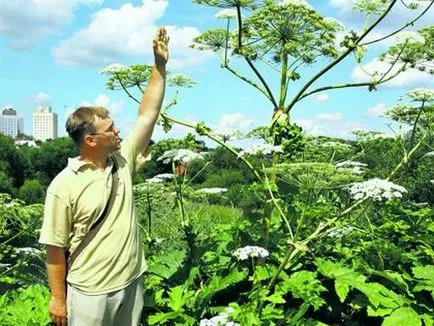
[
  {"x": 114, "y": 34},
  {"x": 114, "y": 107},
  {"x": 232, "y": 122},
  {"x": 336, "y": 116},
  {"x": 42, "y": 99},
  {"x": 376, "y": 110},
  {"x": 321, "y": 97},
  {"x": 409, "y": 78},
  {"x": 334, "y": 128},
  {"x": 27, "y": 22}
]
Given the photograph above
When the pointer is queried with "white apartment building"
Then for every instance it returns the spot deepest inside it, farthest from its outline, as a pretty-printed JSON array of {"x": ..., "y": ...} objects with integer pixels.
[
  {"x": 44, "y": 124},
  {"x": 10, "y": 123}
]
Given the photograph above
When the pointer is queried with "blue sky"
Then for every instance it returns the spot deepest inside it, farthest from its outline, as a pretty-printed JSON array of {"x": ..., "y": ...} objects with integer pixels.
[{"x": 51, "y": 52}]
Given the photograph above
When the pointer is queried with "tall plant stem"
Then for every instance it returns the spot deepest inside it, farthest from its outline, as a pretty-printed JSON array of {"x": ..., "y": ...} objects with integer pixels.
[
  {"x": 413, "y": 132},
  {"x": 340, "y": 58},
  {"x": 283, "y": 80},
  {"x": 249, "y": 62},
  {"x": 276, "y": 204},
  {"x": 227, "y": 41}
]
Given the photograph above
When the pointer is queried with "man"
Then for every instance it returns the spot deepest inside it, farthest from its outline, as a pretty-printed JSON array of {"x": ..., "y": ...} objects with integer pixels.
[{"x": 104, "y": 283}]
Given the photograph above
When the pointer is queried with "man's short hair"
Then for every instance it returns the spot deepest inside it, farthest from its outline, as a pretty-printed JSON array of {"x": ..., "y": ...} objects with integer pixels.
[{"x": 81, "y": 122}]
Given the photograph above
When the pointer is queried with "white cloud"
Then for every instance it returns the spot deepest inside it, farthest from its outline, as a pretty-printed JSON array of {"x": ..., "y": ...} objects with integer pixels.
[
  {"x": 114, "y": 34},
  {"x": 27, "y": 22},
  {"x": 233, "y": 122},
  {"x": 42, "y": 99},
  {"x": 337, "y": 116},
  {"x": 334, "y": 128},
  {"x": 114, "y": 107},
  {"x": 376, "y": 110},
  {"x": 409, "y": 78},
  {"x": 321, "y": 97}
]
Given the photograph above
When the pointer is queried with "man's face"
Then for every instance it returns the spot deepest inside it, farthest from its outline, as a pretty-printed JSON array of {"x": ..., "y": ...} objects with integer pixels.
[{"x": 106, "y": 135}]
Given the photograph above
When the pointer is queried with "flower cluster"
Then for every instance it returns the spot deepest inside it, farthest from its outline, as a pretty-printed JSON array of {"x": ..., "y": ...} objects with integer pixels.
[
  {"x": 250, "y": 251},
  {"x": 226, "y": 14},
  {"x": 164, "y": 176},
  {"x": 29, "y": 251},
  {"x": 340, "y": 232},
  {"x": 302, "y": 3},
  {"x": 349, "y": 164},
  {"x": 336, "y": 145},
  {"x": 355, "y": 166},
  {"x": 409, "y": 38},
  {"x": 370, "y": 6},
  {"x": 422, "y": 94},
  {"x": 377, "y": 189},
  {"x": 338, "y": 25},
  {"x": 183, "y": 156},
  {"x": 261, "y": 149},
  {"x": 180, "y": 80},
  {"x": 221, "y": 319},
  {"x": 154, "y": 180},
  {"x": 114, "y": 68},
  {"x": 212, "y": 190}
]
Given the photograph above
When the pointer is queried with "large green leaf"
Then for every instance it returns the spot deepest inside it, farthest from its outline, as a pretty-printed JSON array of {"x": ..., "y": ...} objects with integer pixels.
[{"x": 402, "y": 316}]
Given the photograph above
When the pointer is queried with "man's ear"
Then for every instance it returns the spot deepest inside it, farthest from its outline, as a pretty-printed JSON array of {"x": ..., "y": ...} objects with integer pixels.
[{"x": 89, "y": 141}]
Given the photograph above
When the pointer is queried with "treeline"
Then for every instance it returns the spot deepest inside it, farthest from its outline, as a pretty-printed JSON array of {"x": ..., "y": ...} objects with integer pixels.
[{"x": 26, "y": 172}]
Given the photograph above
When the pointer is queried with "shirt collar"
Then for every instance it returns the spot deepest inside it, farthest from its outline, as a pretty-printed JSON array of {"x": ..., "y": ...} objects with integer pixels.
[{"x": 75, "y": 164}]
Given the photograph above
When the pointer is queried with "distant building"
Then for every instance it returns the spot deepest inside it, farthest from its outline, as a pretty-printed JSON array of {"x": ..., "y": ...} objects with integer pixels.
[
  {"x": 44, "y": 124},
  {"x": 10, "y": 123}
]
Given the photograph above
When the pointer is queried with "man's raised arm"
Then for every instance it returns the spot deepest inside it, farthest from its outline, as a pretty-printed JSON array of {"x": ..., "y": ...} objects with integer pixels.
[{"x": 152, "y": 99}]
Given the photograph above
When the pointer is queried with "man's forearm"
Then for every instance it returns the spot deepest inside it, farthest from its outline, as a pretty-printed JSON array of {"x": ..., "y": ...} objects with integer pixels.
[
  {"x": 153, "y": 97},
  {"x": 56, "y": 270}
]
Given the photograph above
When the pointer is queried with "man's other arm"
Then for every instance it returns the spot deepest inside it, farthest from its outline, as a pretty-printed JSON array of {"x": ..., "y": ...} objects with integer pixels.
[{"x": 56, "y": 270}]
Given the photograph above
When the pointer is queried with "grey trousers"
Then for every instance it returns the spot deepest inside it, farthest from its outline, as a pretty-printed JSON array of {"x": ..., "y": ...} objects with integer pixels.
[{"x": 119, "y": 308}]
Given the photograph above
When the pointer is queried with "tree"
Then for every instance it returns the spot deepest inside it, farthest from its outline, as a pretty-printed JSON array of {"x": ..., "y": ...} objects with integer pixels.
[{"x": 32, "y": 192}]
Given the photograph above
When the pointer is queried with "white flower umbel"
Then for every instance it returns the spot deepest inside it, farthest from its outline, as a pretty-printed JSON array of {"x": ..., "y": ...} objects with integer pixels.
[
  {"x": 334, "y": 23},
  {"x": 212, "y": 190},
  {"x": 221, "y": 319},
  {"x": 409, "y": 38},
  {"x": 154, "y": 180},
  {"x": 422, "y": 95},
  {"x": 183, "y": 156},
  {"x": 226, "y": 14},
  {"x": 302, "y": 3},
  {"x": 164, "y": 176},
  {"x": 377, "y": 189},
  {"x": 370, "y": 6},
  {"x": 180, "y": 80},
  {"x": 340, "y": 232},
  {"x": 350, "y": 164},
  {"x": 250, "y": 251},
  {"x": 114, "y": 68},
  {"x": 335, "y": 144},
  {"x": 29, "y": 251},
  {"x": 261, "y": 149}
]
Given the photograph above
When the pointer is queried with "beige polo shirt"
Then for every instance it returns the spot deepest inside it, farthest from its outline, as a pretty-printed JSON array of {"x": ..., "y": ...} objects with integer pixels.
[{"x": 75, "y": 199}]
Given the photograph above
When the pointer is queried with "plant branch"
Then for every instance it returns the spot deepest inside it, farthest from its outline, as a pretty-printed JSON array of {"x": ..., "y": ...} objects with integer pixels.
[
  {"x": 340, "y": 58},
  {"x": 411, "y": 23}
]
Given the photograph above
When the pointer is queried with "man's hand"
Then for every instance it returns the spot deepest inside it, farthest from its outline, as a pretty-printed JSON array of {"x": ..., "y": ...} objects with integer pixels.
[
  {"x": 160, "y": 45},
  {"x": 57, "y": 311}
]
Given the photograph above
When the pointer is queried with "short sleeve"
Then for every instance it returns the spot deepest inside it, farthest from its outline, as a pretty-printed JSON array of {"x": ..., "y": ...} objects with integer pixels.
[
  {"x": 56, "y": 225},
  {"x": 134, "y": 159}
]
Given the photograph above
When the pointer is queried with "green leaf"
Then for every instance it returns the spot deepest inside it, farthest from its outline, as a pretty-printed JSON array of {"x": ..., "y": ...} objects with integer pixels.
[
  {"x": 163, "y": 317},
  {"x": 402, "y": 316},
  {"x": 178, "y": 297}
]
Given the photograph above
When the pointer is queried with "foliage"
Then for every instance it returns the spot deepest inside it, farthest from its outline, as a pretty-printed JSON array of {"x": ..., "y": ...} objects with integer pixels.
[{"x": 25, "y": 306}]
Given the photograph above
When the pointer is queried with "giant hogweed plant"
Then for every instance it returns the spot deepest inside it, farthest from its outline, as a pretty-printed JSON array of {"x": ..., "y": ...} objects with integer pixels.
[{"x": 287, "y": 287}]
